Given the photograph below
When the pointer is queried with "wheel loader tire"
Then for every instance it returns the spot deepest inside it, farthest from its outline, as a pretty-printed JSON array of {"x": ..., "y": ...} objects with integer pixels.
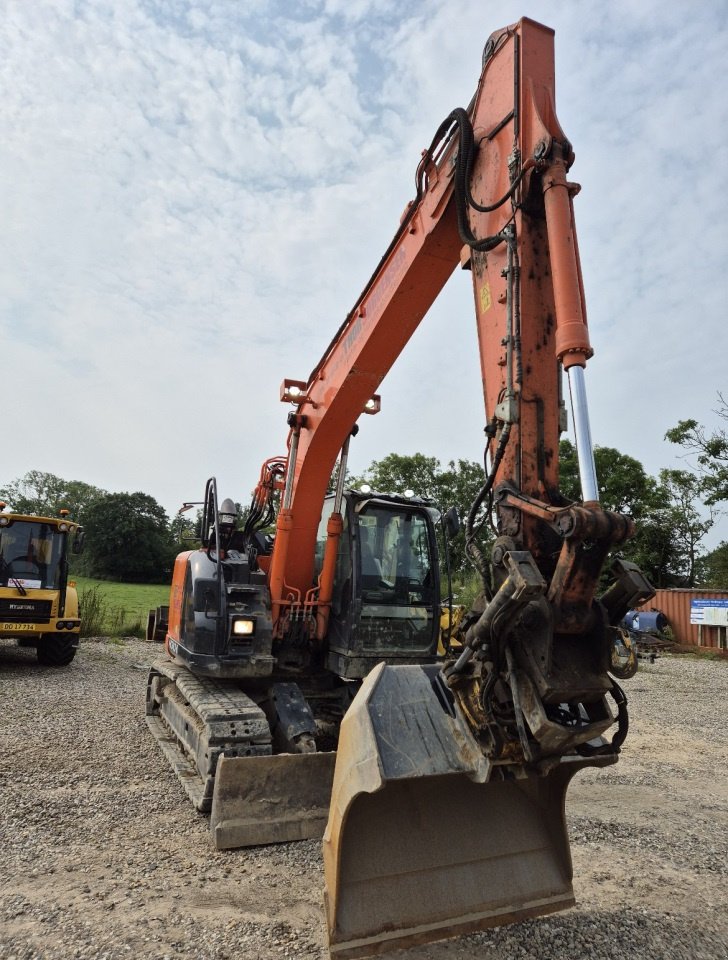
[{"x": 56, "y": 650}]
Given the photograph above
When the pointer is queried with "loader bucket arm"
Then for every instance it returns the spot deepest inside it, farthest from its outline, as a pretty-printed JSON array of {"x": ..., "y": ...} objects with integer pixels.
[{"x": 425, "y": 839}]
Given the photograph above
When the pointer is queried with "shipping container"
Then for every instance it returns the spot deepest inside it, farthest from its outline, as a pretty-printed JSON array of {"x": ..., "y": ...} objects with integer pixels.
[{"x": 687, "y": 618}]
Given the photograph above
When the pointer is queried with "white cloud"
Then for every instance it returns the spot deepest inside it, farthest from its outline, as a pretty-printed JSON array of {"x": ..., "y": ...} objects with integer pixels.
[{"x": 193, "y": 195}]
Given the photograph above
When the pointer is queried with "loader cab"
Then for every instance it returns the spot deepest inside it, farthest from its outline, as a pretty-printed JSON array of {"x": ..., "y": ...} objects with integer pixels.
[
  {"x": 386, "y": 588},
  {"x": 32, "y": 552}
]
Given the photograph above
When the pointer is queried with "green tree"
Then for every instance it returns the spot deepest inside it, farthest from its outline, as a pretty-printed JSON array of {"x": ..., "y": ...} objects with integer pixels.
[
  {"x": 397, "y": 473},
  {"x": 670, "y": 526},
  {"x": 624, "y": 486},
  {"x": 128, "y": 538},
  {"x": 711, "y": 450},
  {"x": 654, "y": 550},
  {"x": 712, "y": 569},
  {"x": 681, "y": 492},
  {"x": 44, "y": 494},
  {"x": 456, "y": 486}
]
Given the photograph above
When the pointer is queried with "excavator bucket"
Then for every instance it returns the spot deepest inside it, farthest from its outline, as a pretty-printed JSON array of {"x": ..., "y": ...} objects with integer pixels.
[
  {"x": 273, "y": 799},
  {"x": 425, "y": 840}
]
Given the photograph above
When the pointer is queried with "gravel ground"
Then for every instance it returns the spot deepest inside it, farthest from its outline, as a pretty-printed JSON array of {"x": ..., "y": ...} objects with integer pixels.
[{"x": 102, "y": 857}]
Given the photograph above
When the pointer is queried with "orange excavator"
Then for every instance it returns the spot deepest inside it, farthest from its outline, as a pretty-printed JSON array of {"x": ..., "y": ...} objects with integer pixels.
[{"x": 303, "y": 685}]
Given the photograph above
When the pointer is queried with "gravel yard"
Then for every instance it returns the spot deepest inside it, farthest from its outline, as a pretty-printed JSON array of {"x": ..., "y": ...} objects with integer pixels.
[{"x": 102, "y": 856}]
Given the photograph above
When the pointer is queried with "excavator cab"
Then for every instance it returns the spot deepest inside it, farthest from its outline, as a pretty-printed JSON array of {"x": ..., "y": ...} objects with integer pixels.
[{"x": 386, "y": 600}]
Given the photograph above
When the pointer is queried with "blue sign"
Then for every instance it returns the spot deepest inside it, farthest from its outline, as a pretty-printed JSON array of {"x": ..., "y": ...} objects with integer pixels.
[{"x": 698, "y": 607}]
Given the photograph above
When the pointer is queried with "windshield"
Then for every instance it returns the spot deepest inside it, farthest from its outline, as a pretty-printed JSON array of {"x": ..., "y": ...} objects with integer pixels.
[
  {"x": 395, "y": 556},
  {"x": 30, "y": 554},
  {"x": 397, "y": 579}
]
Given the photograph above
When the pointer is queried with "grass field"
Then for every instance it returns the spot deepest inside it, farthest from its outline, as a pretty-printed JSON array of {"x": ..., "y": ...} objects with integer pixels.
[{"x": 117, "y": 609}]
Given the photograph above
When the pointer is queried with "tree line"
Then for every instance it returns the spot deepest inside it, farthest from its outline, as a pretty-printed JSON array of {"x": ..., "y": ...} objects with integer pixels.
[
  {"x": 129, "y": 536},
  {"x": 674, "y": 511}
]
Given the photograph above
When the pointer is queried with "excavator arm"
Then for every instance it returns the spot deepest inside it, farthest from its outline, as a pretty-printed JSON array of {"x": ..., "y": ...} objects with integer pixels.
[
  {"x": 447, "y": 810},
  {"x": 493, "y": 197}
]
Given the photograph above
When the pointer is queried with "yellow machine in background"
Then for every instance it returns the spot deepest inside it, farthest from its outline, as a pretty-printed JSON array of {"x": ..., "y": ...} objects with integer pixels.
[
  {"x": 450, "y": 619},
  {"x": 38, "y": 606}
]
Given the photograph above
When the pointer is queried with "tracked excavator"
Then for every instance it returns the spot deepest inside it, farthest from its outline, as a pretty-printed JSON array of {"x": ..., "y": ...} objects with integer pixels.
[{"x": 303, "y": 686}]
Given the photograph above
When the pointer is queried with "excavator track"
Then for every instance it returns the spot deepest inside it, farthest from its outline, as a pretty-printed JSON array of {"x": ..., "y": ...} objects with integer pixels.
[
  {"x": 218, "y": 742},
  {"x": 198, "y": 720}
]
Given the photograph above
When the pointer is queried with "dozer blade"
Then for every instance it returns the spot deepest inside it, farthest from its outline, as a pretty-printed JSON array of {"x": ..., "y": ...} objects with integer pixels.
[
  {"x": 272, "y": 799},
  {"x": 424, "y": 839}
]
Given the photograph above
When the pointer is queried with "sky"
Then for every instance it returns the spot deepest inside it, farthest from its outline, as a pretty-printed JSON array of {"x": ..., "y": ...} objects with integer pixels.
[{"x": 194, "y": 192}]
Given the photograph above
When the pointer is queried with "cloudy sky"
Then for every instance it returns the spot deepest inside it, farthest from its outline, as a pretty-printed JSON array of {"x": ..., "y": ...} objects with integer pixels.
[{"x": 194, "y": 193}]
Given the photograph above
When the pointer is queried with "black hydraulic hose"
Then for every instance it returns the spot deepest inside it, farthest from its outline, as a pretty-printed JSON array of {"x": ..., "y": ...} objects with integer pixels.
[
  {"x": 620, "y": 699},
  {"x": 518, "y": 707},
  {"x": 470, "y": 546},
  {"x": 463, "y": 197},
  {"x": 458, "y": 119},
  {"x": 448, "y": 573}
]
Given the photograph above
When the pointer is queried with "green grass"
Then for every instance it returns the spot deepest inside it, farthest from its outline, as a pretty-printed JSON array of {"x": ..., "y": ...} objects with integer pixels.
[{"x": 117, "y": 609}]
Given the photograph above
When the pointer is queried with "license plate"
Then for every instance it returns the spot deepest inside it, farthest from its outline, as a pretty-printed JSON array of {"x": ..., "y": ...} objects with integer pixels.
[{"x": 18, "y": 626}]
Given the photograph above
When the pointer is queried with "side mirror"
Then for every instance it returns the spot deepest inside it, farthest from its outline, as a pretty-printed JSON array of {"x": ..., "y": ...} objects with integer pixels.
[
  {"x": 78, "y": 541},
  {"x": 452, "y": 522}
]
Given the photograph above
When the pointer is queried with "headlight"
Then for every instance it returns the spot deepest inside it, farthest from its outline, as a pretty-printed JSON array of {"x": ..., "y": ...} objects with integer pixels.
[{"x": 243, "y": 628}]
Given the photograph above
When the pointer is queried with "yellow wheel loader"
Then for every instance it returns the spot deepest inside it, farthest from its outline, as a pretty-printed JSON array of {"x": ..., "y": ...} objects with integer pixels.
[{"x": 38, "y": 605}]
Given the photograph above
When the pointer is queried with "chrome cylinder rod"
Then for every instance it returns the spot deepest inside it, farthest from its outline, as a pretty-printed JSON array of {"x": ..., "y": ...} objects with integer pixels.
[
  {"x": 291, "y": 468},
  {"x": 582, "y": 434},
  {"x": 341, "y": 479}
]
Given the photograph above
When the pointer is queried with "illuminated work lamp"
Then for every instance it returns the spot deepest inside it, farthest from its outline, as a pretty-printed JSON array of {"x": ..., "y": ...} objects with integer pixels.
[
  {"x": 243, "y": 627},
  {"x": 373, "y": 405},
  {"x": 293, "y": 391}
]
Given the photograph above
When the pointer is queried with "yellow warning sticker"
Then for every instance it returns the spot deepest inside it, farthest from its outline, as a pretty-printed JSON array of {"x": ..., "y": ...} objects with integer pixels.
[{"x": 485, "y": 297}]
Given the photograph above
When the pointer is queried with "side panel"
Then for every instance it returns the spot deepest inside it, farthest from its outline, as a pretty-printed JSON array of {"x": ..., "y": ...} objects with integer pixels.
[{"x": 200, "y": 633}]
